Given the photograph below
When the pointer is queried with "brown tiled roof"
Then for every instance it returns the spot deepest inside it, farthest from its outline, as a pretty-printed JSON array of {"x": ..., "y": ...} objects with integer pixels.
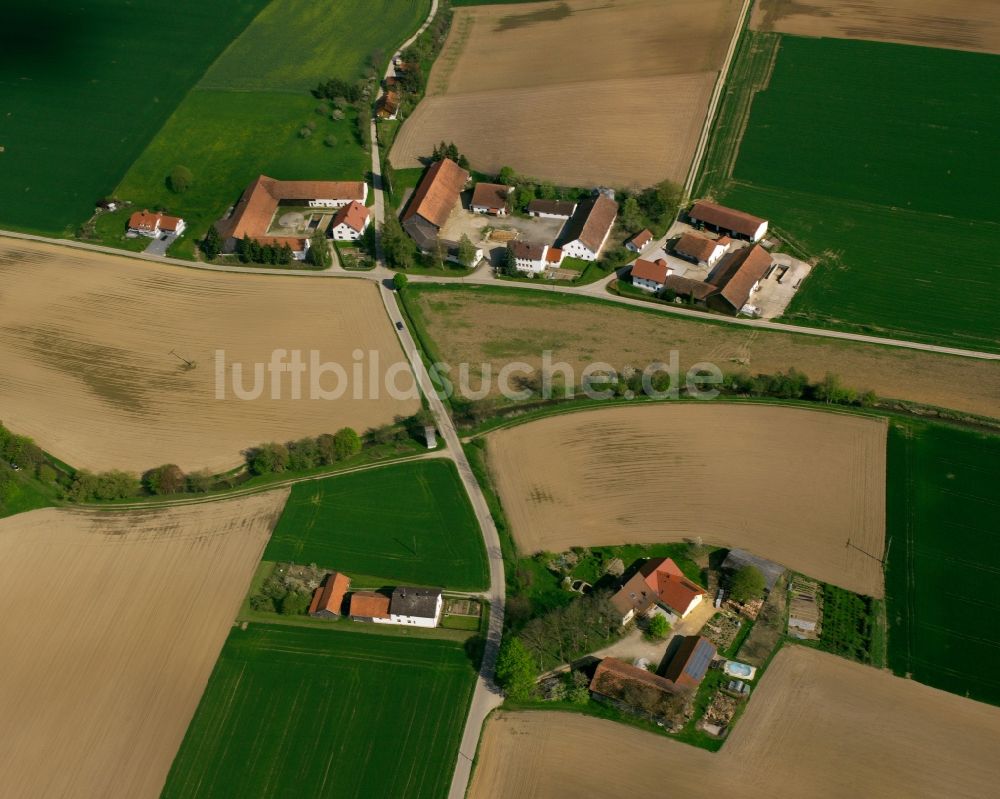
[
  {"x": 695, "y": 246},
  {"x": 369, "y": 605},
  {"x": 727, "y": 218},
  {"x": 612, "y": 675},
  {"x": 490, "y": 195},
  {"x": 634, "y": 595},
  {"x": 332, "y": 597},
  {"x": 354, "y": 215},
  {"x": 526, "y": 250},
  {"x": 438, "y": 192},
  {"x": 388, "y": 104},
  {"x": 690, "y": 661},
  {"x": 592, "y": 221},
  {"x": 642, "y": 238},
  {"x": 560, "y": 207},
  {"x": 687, "y": 287},
  {"x": 256, "y": 207},
  {"x": 143, "y": 220},
  {"x": 650, "y": 270},
  {"x": 738, "y": 272}
]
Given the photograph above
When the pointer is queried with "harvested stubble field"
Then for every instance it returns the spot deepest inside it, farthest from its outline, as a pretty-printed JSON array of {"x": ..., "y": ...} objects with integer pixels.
[
  {"x": 818, "y": 727},
  {"x": 788, "y": 484},
  {"x": 86, "y": 341},
  {"x": 934, "y": 23},
  {"x": 112, "y": 624},
  {"x": 533, "y": 86},
  {"x": 495, "y": 326}
]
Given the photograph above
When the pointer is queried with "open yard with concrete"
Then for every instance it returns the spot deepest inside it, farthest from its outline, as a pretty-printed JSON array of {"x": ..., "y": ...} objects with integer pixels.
[
  {"x": 513, "y": 86},
  {"x": 803, "y": 488},
  {"x": 480, "y": 325},
  {"x": 96, "y": 351},
  {"x": 112, "y": 624},
  {"x": 971, "y": 25},
  {"x": 817, "y": 727}
]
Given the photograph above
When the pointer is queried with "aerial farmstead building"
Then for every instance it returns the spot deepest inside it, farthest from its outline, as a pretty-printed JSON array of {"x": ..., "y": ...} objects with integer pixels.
[
  {"x": 650, "y": 275},
  {"x": 589, "y": 228},
  {"x": 658, "y": 582},
  {"x": 370, "y": 606},
  {"x": 328, "y": 599},
  {"x": 529, "y": 257},
  {"x": 695, "y": 290},
  {"x": 552, "y": 209},
  {"x": 738, "y": 276},
  {"x": 701, "y": 251},
  {"x": 738, "y": 224},
  {"x": 490, "y": 198},
  {"x": 432, "y": 202},
  {"x": 419, "y": 607},
  {"x": 350, "y": 222},
  {"x": 252, "y": 215},
  {"x": 640, "y": 240},
  {"x": 690, "y": 662},
  {"x": 153, "y": 223}
]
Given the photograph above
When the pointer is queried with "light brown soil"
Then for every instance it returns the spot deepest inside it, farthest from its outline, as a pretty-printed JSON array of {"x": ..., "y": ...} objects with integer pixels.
[
  {"x": 85, "y": 343},
  {"x": 818, "y": 727},
  {"x": 790, "y": 485},
  {"x": 969, "y": 25},
  {"x": 477, "y": 327},
  {"x": 575, "y": 92},
  {"x": 112, "y": 624}
]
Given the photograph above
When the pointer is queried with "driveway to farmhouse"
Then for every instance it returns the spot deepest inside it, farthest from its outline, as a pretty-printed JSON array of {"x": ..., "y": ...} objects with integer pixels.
[{"x": 634, "y": 646}]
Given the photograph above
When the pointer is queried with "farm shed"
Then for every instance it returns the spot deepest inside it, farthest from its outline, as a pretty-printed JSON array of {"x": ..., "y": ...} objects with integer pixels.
[
  {"x": 328, "y": 599},
  {"x": 702, "y": 251},
  {"x": 738, "y": 275},
  {"x": 552, "y": 209},
  {"x": 640, "y": 240},
  {"x": 728, "y": 220},
  {"x": 736, "y": 559},
  {"x": 697, "y": 290},
  {"x": 370, "y": 606},
  {"x": 690, "y": 661},
  {"x": 589, "y": 228},
  {"x": 436, "y": 195},
  {"x": 490, "y": 198}
]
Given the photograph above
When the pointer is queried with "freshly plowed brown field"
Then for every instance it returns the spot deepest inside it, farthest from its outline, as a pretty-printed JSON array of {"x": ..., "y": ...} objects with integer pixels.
[
  {"x": 477, "y": 326},
  {"x": 969, "y": 25},
  {"x": 112, "y": 624},
  {"x": 790, "y": 485},
  {"x": 574, "y": 92},
  {"x": 86, "y": 343},
  {"x": 818, "y": 727}
]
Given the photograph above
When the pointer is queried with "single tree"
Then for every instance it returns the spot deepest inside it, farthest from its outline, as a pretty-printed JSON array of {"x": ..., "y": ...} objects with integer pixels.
[
  {"x": 330, "y": 141},
  {"x": 515, "y": 670},
  {"x": 166, "y": 479},
  {"x": 180, "y": 179},
  {"x": 268, "y": 458},
  {"x": 211, "y": 245},
  {"x": 507, "y": 176},
  {"x": 346, "y": 442},
  {"x": 747, "y": 583},
  {"x": 399, "y": 281},
  {"x": 657, "y": 628},
  {"x": 318, "y": 253},
  {"x": 631, "y": 214},
  {"x": 466, "y": 251}
]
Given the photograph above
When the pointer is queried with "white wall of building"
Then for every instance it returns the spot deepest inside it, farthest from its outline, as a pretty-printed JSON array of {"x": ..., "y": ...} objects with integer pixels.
[{"x": 648, "y": 285}]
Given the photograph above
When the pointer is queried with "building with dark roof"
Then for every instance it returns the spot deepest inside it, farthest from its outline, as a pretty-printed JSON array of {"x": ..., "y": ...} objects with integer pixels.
[
  {"x": 690, "y": 662},
  {"x": 552, "y": 209},
  {"x": 695, "y": 290},
  {"x": 529, "y": 257},
  {"x": 419, "y": 607},
  {"x": 736, "y": 559},
  {"x": 490, "y": 198},
  {"x": 589, "y": 228},
  {"x": 432, "y": 202},
  {"x": 728, "y": 220},
  {"x": 638, "y": 691}
]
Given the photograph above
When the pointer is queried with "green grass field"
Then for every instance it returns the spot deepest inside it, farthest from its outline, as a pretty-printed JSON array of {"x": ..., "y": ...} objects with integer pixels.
[
  {"x": 406, "y": 523},
  {"x": 243, "y": 118},
  {"x": 294, "y": 712},
  {"x": 84, "y": 88},
  {"x": 878, "y": 159},
  {"x": 943, "y": 570}
]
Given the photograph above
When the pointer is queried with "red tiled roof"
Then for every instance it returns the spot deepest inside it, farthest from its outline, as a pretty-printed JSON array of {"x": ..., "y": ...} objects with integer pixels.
[
  {"x": 696, "y": 246},
  {"x": 737, "y": 276},
  {"x": 144, "y": 220},
  {"x": 332, "y": 597},
  {"x": 170, "y": 223},
  {"x": 490, "y": 195},
  {"x": 727, "y": 218},
  {"x": 354, "y": 215},
  {"x": 671, "y": 586},
  {"x": 642, "y": 238},
  {"x": 553, "y": 255},
  {"x": 369, "y": 605},
  {"x": 438, "y": 192},
  {"x": 650, "y": 270}
]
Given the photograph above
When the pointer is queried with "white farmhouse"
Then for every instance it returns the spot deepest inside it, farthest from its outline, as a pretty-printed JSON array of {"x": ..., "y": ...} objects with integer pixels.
[
  {"x": 529, "y": 257},
  {"x": 153, "y": 223},
  {"x": 639, "y": 241},
  {"x": 650, "y": 275},
  {"x": 589, "y": 228},
  {"x": 350, "y": 222},
  {"x": 417, "y": 607}
]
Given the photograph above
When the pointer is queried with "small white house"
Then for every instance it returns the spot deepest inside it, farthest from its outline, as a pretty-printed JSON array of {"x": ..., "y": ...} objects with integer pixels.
[
  {"x": 416, "y": 607},
  {"x": 529, "y": 257},
  {"x": 650, "y": 275},
  {"x": 153, "y": 223},
  {"x": 589, "y": 229},
  {"x": 701, "y": 251},
  {"x": 639, "y": 241},
  {"x": 490, "y": 198},
  {"x": 350, "y": 222}
]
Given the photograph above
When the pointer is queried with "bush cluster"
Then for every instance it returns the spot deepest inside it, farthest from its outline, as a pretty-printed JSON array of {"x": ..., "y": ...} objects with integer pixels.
[{"x": 306, "y": 453}]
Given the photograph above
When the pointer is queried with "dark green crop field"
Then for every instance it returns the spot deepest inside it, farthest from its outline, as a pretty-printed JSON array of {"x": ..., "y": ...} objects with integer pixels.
[
  {"x": 407, "y": 523},
  {"x": 296, "y": 712},
  {"x": 83, "y": 89},
  {"x": 880, "y": 161},
  {"x": 943, "y": 569}
]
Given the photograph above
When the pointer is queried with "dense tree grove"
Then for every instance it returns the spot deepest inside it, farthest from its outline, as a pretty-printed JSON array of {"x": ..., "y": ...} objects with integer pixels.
[
  {"x": 568, "y": 632},
  {"x": 251, "y": 251},
  {"x": 515, "y": 669}
]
